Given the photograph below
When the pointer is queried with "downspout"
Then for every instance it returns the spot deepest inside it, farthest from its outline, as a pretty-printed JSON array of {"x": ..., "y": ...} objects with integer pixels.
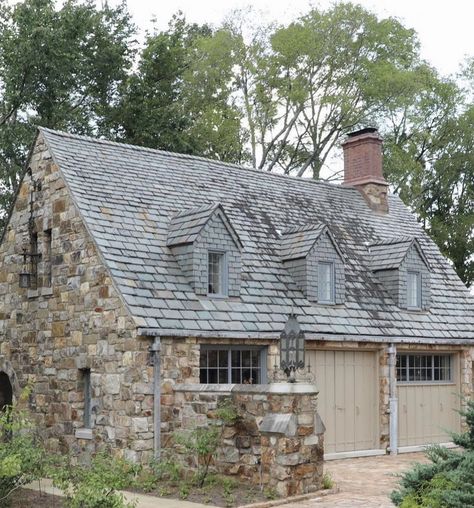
[
  {"x": 155, "y": 350},
  {"x": 393, "y": 400}
]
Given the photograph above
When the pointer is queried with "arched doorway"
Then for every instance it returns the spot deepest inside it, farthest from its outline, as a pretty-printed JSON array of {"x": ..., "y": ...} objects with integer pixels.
[{"x": 6, "y": 391}]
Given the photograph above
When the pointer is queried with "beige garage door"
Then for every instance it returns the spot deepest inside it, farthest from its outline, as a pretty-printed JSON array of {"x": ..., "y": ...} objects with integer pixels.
[
  {"x": 427, "y": 411},
  {"x": 348, "y": 389}
]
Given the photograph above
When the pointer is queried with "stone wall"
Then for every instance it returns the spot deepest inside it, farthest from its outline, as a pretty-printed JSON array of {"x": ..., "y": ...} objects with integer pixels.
[
  {"x": 277, "y": 442},
  {"x": 48, "y": 334}
]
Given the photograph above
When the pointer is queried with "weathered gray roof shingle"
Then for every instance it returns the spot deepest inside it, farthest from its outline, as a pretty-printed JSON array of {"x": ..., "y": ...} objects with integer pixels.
[
  {"x": 389, "y": 254},
  {"x": 128, "y": 196}
]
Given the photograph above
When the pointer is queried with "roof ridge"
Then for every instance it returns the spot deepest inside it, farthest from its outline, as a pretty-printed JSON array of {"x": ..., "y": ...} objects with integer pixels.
[{"x": 167, "y": 153}]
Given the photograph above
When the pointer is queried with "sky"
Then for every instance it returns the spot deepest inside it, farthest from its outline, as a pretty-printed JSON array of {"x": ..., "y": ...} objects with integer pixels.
[{"x": 445, "y": 28}]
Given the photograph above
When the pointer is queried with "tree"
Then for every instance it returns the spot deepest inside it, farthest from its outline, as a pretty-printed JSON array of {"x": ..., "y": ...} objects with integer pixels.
[
  {"x": 59, "y": 69},
  {"x": 304, "y": 85},
  {"x": 429, "y": 150},
  {"x": 179, "y": 98}
]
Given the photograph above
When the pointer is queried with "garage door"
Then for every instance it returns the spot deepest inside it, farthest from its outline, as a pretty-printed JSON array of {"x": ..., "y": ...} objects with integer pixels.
[
  {"x": 347, "y": 401},
  {"x": 428, "y": 398}
]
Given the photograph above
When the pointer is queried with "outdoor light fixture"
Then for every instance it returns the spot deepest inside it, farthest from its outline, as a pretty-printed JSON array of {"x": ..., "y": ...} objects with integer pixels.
[
  {"x": 29, "y": 258},
  {"x": 292, "y": 353},
  {"x": 26, "y": 273}
]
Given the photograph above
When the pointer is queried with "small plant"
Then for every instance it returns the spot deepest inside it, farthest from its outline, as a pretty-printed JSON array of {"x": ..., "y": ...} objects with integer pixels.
[
  {"x": 184, "y": 490},
  {"x": 328, "y": 482},
  {"x": 202, "y": 442},
  {"x": 22, "y": 455},
  {"x": 95, "y": 485},
  {"x": 167, "y": 469},
  {"x": 270, "y": 493}
]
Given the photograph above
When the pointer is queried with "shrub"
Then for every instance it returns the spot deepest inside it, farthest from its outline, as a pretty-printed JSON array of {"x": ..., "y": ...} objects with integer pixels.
[
  {"x": 22, "y": 455},
  {"x": 446, "y": 482},
  {"x": 202, "y": 442},
  {"x": 95, "y": 485}
]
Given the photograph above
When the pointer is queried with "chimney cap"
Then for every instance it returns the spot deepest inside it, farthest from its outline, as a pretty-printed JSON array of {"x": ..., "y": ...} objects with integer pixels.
[{"x": 366, "y": 130}]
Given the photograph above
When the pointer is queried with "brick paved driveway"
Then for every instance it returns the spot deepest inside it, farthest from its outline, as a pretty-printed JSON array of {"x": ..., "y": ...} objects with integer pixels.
[{"x": 364, "y": 482}]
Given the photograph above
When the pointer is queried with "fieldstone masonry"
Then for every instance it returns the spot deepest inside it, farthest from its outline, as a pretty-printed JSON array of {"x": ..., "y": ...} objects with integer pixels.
[
  {"x": 277, "y": 441},
  {"x": 47, "y": 335}
]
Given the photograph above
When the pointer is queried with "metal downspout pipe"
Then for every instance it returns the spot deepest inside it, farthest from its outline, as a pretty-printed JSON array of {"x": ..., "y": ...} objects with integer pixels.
[
  {"x": 155, "y": 350},
  {"x": 393, "y": 400}
]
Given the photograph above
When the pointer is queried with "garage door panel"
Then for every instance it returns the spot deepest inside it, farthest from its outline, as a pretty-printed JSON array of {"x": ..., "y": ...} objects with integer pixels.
[
  {"x": 427, "y": 413},
  {"x": 348, "y": 398}
]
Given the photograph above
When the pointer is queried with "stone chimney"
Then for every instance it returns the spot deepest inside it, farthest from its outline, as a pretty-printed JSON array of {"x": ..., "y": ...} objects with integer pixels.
[{"x": 363, "y": 167}]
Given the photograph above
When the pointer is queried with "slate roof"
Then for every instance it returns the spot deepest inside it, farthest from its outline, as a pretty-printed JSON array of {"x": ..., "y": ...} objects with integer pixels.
[
  {"x": 389, "y": 254},
  {"x": 128, "y": 195},
  {"x": 297, "y": 242}
]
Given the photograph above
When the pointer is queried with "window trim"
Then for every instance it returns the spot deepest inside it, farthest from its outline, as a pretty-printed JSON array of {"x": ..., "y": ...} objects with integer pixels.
[
  {"x": 419, "y": 295},
  {"x": 452, "y": 369},
  {"x": 332, "y": 281},
  {"x": 263, "y": 353},
  {"x": 224, "y": 274}
]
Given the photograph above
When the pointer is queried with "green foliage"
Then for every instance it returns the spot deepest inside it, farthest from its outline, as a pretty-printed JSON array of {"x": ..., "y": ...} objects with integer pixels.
[
  {"x": 95, "y": 485},
  {"x": 446, "y": 482},
  {"x": 328, "y": 482},
  {"x": 270, "y": 493},
  {"x": 22, "y": 456},
  {"x": 59, "y": 68},
  {"x": 279, "y": 96},
  {"x": 201, "y": 443}
]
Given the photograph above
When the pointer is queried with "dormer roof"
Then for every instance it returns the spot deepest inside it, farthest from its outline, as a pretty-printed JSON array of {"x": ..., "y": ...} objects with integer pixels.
[
  {"x": 186, "y": 225},
  {"x": 389, "y": 254},
  {"x": 296, "y": 242}
]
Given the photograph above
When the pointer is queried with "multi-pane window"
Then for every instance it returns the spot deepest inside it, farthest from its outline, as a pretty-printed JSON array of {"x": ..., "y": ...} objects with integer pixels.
[
  {"x": 216, "y": 275},
  {"x": 413, "y": 368},
  {"x": 232, "y": 365},
  {"x": 413, "y": 290},
  {"x": 326, "y": 282}
]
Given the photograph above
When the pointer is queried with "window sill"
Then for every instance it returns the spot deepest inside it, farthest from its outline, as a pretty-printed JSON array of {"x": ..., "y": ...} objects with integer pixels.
[
  {"x": 47, "y": 291},
  {"x": 33, "y": 293},
  {"x": 84, "y": 433}
]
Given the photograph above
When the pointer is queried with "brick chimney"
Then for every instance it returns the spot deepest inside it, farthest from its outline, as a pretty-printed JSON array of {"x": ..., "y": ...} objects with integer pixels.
[{"x": 363, "y": 167}]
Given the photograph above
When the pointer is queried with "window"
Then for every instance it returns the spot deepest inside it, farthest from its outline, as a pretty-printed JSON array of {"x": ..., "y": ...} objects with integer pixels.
[
  {"x": 87, "y": 392},
  {"x": 326, "y": 282},
  {"x": 217, "y": 274},
  {"x": 414, "y": 290},
  {"x": 47, "y": 263},
  {"x": 232, "y": 365},
  {"x": 419, "y": 368},
  {"x": 34, "y": 260}
]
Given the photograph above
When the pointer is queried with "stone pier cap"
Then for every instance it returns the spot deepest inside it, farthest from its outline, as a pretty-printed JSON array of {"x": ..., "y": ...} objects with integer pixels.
[{"x": 271, "y": 388}]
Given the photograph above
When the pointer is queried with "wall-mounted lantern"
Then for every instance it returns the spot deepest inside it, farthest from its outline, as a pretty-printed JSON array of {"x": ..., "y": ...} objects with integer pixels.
[
  {"x": 292, "y": 348},
  {"x": 26, "y": 273}
]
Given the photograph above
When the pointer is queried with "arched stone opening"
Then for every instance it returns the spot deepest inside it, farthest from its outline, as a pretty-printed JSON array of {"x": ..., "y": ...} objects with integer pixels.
[{"x": 6, "y": 391}]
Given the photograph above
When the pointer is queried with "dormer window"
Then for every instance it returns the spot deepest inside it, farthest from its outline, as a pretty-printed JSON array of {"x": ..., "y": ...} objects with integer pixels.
[
  {"x": 403, "y": 269},
  {"x": 217, "y": 274},
  {"x": 312, "y": 256},
  {"x": 326, "y": 286},
  {"x": 414, "y": 290},
  {"x": 208, "y": 250}
]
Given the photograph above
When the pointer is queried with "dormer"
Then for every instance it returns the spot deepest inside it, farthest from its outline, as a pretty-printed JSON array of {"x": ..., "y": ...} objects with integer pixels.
[
  {"x": 402, "y": 267},
  {"x": 311, "y": 254},
  {"x": 208, "y": 250}
]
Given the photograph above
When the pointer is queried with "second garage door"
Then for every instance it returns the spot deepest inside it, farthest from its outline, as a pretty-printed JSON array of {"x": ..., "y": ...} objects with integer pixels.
[
  {"x": 428, "y": 398},
  {"x": 347, "y": 401}
]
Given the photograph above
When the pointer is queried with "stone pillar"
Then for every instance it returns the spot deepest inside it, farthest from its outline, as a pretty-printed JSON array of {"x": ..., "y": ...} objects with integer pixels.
[{"x": 278, "y": 440}]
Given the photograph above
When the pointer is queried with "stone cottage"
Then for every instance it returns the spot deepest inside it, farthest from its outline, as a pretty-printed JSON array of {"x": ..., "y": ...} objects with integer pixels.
[{"x": 133, "y": 280}]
